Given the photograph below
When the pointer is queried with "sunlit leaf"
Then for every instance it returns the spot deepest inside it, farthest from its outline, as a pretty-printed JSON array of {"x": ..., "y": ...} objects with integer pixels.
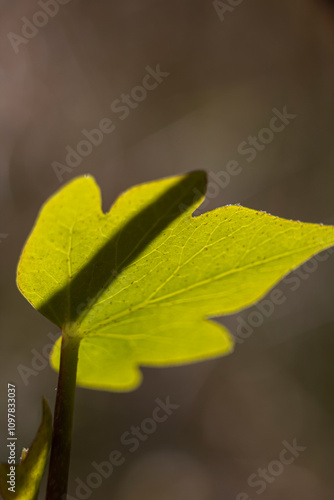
[{"x": 137, "y": 284}]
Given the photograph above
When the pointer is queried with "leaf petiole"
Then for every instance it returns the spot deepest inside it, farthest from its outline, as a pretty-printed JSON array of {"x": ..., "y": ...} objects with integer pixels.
[{"x": 63, "y": 420}]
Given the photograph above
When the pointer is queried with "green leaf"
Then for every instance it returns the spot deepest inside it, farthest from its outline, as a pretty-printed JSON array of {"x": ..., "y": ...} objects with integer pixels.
[
  {"x": 136, "y": 285},
  {"x": 29, "y": 472}
]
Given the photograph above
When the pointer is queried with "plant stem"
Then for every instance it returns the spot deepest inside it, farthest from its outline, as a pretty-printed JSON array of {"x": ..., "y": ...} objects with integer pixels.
[{"x": 63, "y": 420}]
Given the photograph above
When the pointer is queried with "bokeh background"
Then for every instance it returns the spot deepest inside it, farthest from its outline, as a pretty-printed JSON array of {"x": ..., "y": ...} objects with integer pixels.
[{"x": 225, "y": 78}]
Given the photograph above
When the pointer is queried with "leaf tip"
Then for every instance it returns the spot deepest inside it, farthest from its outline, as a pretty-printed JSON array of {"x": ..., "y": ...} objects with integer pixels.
[{"x": 200, "y": 176}]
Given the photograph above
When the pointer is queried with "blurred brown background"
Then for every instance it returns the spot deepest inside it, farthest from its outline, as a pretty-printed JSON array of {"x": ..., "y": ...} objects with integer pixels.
[{"x": 225, "y": 78}]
